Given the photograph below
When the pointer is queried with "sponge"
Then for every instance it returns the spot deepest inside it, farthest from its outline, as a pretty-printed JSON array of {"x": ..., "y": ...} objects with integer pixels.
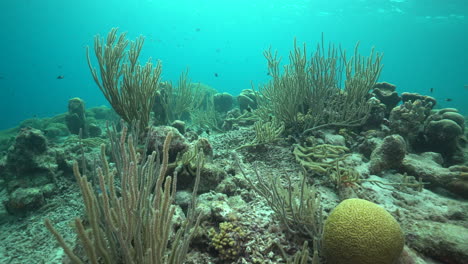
[{"x": 361, "y": 232}]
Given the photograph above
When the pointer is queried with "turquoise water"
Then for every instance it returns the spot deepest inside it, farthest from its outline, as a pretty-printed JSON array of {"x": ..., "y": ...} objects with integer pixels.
[{"x": 424, "y": 41}]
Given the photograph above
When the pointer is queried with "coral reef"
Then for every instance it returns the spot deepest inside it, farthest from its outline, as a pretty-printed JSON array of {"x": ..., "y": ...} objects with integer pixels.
[
  {"x": 321, "y": 165},
  {"x": 334, "y": 171}
]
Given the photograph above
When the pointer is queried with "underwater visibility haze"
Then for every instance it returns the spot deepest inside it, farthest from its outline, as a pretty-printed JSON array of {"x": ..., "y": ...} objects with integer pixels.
[
  {"x": 201, "y": 131},
  {"x": 424, "y": 44}
]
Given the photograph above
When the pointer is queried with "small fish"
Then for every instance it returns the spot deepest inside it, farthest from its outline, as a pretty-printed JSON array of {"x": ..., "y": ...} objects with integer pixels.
[
  {"x": 466, "y": 86},
  {"x": 197, "y": 29},
  {"x": 448, "y": 99},
  {"x": 431, "y": 90},
  {"x": 216, "y": 74},
  {"x": 99, "y": 190},
  {"x": 268, "y": 73},
  {"x": 60, "y": 77}
]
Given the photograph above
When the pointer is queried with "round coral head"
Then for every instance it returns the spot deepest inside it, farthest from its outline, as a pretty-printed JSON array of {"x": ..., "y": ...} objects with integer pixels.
[{"x": 361, "y": 232}]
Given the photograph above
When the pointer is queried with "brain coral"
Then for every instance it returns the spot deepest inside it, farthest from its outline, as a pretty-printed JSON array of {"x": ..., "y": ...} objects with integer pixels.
[{"x": 361, "y": 232}]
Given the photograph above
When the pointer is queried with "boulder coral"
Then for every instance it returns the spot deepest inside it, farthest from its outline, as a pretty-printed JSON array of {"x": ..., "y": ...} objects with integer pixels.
[
  {"x": 386, "y": 94},
  {"x": 223, "y": 102},
  {"x": 428, "y": 101},
  {"x": 76, "y": 117},
  {"x": 408, "y": 119},
  {"x": 443, "y": 132},
  {"x": 247, "y": 99},
  {"x": 388, "y": 155},
  {"x": 177, "y": 146},
  {"x": 361, "y": 232},
  {"x": 25, "y": 155},
  {"x": 29, "y": 172}
]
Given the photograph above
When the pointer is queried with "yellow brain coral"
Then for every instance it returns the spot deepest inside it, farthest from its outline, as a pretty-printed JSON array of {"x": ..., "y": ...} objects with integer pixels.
[{"x": 361, "y": 232}]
